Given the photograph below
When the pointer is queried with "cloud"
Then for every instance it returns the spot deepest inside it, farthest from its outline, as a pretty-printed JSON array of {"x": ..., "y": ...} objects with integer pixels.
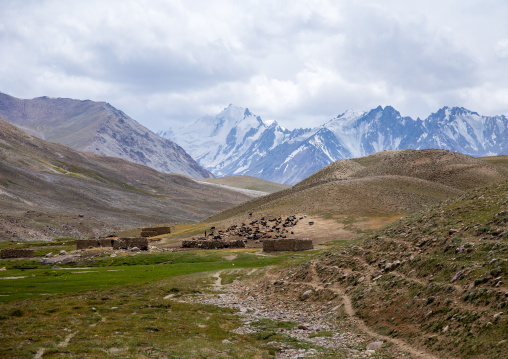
[
  {"x": 298, "y": 62},
  {"x": 502, "y": 49}
]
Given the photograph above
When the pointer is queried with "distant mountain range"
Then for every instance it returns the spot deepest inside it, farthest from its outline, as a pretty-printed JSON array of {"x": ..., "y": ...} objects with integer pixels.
[
  {"x": 99, "y": 128},
  {"x": 237, "y": 142}
]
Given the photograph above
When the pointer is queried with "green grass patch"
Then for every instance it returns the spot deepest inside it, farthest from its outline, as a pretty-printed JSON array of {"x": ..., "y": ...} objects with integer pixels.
[
  {"x": 41, "y": 279},
  {"x": 131, "y": 321}
]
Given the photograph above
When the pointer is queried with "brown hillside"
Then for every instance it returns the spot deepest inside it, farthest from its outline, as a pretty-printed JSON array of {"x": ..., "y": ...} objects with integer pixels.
[
  {"x": 49, "y": 190},
  {"x": 501, "y": 161},
  {"x": 384, "y": 183}
]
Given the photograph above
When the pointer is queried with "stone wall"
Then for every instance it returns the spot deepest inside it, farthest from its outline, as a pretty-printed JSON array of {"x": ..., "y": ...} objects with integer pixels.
[
  {"x": 287, "y": 245},
  {"x": 155, "y": 231},
  {"x": 87, "y": 243},
  {"x": 106, "y": 242},
  {"x": 212, "y": 244},
  {"x": 17, "y": 253},
  {"x": 128, "y": 243},
  {"x": 120, "y": 243}
]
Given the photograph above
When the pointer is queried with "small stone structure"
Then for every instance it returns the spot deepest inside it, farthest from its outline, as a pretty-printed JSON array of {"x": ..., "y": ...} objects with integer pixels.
[
  {"x": 287, "y": 245},
  {"x": 120, "y": 243},
  {"x": 128, "y": 243},
  {"x": 87, "y": 243},
  {"x": 154, "y": 231},
  {"x": 16, "y": 253},
  {"x": 212, "y": 244}
]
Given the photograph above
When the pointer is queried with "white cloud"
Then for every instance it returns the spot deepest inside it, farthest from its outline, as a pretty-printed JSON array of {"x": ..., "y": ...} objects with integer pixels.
[
  {"x": 502, "y": 49},
  {"x": 297, "y": 62}
]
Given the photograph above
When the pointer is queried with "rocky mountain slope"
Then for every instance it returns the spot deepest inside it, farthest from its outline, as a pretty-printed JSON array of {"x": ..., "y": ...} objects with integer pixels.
[
  {"x": 49, "y": 190},
  {"x": 99, "y": 128},
  {"x": 386, "y": 183},
  {"x": 238, "y": 142},
  {"x": 434, "y": 281}
]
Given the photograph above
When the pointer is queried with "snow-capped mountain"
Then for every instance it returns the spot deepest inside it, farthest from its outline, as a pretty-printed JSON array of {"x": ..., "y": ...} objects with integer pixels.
[
  {"x": 220, "y": 142},
  {"x": 466, "y": 132},
  {"x": 238, "y": 142},
  {"x": 99, "y": 128}
]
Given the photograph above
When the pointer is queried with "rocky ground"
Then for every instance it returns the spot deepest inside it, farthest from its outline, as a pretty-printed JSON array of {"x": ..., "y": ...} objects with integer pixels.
[{"x": 327, "y": 325}]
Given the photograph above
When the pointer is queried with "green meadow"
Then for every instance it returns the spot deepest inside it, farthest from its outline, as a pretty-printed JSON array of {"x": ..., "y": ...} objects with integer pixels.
[{"x": 130, "y": 306}]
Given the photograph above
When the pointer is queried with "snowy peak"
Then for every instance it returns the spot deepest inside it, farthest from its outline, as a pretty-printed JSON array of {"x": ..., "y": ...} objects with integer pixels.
[
  {"x": 467, "y": 132},
  {"x": 238, "y": 142}
]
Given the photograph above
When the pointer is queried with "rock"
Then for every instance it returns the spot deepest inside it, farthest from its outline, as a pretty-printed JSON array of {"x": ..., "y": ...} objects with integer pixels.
[
  {"x": 306, "y": 295},
  {"x": 3, "y": 268},
  {"x": 374, "y": 345},
  {"x": 303, "y": 327},
  {"x": 62, "y": 253},
  {"x": 49, "y": 255},
  {"x": 62, "y": 259},
  {"x": 445, "y": 329},
  {"x": 135, "y": 249},
  {"x": 452, "y": 231},
  {"x": 497, "y": 315}
]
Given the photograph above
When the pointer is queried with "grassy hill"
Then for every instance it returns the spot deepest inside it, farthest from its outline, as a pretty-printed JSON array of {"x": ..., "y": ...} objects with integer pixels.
[
  {"x": 381, "y": 184},
  {"x": 48, "y": 190},
  {"x": 501, "y": 161},
  {"x": 436, "y": 279},
  {"x": 248, "y": 182}
]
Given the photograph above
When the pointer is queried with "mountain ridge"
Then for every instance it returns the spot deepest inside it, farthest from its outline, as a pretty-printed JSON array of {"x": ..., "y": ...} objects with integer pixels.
[
  {"x": 99, "y": 128},
  {"x": 287, "y": 156},
  {"x": 48, "y": 190}
]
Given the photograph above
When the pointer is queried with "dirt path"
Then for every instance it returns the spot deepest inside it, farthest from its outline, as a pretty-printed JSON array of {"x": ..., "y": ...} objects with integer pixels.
[
  {"x": 65, "y": 342},
  {"x": 348, "y": 307},
  {"x": 218, "y": 281}
]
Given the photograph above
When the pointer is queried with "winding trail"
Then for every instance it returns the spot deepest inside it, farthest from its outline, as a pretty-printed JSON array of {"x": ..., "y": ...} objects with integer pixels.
[
  {"x": 65, "y": 342},
  {"x": 348, "y": 307}
]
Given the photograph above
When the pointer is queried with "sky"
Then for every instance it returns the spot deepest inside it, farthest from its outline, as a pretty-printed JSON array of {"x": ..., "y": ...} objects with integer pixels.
[{"x": 167, "y": 62}]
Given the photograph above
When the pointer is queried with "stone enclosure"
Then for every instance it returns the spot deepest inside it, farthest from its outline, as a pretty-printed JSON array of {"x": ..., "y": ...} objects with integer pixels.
[
  {"x": 120, "y": 243},
  {"x": 287, "y": 245},
  {"x": 16, "y": 253},
  {"x": 212, "y": 244}
]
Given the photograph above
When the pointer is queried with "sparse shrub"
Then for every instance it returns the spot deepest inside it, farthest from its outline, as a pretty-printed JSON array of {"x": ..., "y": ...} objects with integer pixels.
[
  {"x": 482, "y": 230},
  {"x": 17, "y": 313}
]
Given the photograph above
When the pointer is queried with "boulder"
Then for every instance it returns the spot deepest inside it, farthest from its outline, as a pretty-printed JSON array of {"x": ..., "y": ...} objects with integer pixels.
[{"x": 374, "y": 345}]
